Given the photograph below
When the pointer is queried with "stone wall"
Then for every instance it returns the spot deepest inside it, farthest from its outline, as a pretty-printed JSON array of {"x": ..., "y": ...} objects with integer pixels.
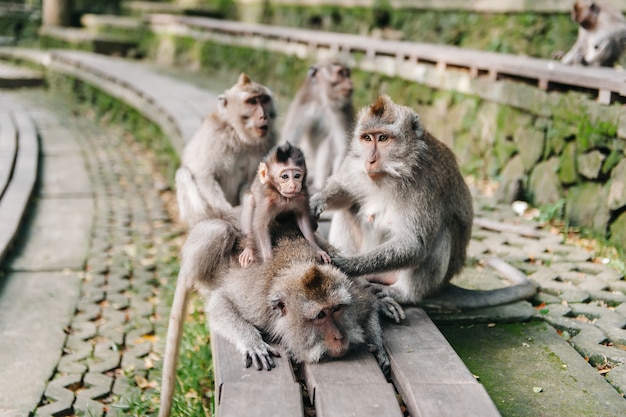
[{"x": 560, "y": 151}]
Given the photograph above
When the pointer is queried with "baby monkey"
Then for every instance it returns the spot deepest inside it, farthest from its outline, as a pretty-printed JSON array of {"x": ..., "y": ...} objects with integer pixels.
[{"x": 279, "y": 188}]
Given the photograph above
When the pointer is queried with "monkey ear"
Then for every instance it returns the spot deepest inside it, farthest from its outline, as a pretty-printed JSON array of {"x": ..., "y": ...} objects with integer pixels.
[
  {"x": 262, "y": 172},
  {"x": 379, "y": 106},
  {"x": 221, "y": 103},
  {"x": 311, "y": 73},
  {"x": 277, "y": 304},
  {"x": 244, "y": 79},
  {"x": 417, "y": 126}
]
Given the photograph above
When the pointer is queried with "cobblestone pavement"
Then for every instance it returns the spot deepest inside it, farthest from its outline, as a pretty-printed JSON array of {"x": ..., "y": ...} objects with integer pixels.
[
  {"x": 133, "y": 250},
  {"x": 133, "y": 253}
]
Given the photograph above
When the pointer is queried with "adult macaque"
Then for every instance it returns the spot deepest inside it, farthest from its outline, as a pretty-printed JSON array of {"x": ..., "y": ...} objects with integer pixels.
[
  {"x": 319, "y": 119},
  {"x": 219, "y": 161},
  {"x": 313, "y": 310},
  {"x": 404, "y": 214},
  {"x": 279, "y": 189},
  {"x": 601, "y": 34}
]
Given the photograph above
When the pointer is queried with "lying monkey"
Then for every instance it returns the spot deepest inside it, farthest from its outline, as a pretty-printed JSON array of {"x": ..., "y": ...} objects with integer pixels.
[{"x": 312, "y": 310}]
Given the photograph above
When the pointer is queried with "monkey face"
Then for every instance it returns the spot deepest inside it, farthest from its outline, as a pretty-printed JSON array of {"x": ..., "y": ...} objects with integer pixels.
[
  {"x": 286, "y": 177},
  {"x": 585, "y": 13},
  {"x": 289, "y": 180},
  {"x": 316, "y": 314},
  {"x": 340, "y": 83},
  {"x": 375, "y": 147},
  {"x": 256, "y": 114},
  {"x": 249, "y": 107},
  {"x": 387, "y": 139}
]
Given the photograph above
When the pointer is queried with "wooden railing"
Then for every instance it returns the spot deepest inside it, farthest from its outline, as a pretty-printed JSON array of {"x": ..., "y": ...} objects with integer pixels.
[{"x": 408, "y": 60}]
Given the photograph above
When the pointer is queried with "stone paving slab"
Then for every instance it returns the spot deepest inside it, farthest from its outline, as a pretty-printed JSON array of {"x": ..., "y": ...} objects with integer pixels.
[
  {"x": 32, "y": 334},
  {"x": 56, "y": 236},
  {"x": 64, "y": 176},
  {"x": 532, "y": 357}
]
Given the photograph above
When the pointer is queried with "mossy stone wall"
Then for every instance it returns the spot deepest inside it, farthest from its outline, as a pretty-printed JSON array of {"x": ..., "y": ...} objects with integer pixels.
[{"x": 553, "y": 149}]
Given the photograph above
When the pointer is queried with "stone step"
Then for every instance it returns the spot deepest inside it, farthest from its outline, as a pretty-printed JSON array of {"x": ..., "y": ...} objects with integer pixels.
[{"x": 12, "y": 76}]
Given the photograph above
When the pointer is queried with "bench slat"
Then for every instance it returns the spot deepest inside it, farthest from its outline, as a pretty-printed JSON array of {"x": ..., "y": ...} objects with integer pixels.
[
  {"x": 352, "y": 385},
  {"x": 243, "y": 399},
  {"x": 431, "y": 378},
  {"x": 249, "y": 392}
]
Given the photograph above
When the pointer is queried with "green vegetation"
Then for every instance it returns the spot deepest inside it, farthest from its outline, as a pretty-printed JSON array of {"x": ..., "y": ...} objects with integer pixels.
[{"x": 194, "y": 389}]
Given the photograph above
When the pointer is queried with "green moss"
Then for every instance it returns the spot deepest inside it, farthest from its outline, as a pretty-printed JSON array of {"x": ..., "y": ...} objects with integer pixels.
[
  {"x": 516, "y": 33},
  {"x": 567, "y": 165}
]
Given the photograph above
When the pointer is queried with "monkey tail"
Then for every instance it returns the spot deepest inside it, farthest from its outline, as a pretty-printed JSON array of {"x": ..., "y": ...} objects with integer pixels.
[
  {"x": 456, "y": 298},
  {"x": 172, "y": 344}
]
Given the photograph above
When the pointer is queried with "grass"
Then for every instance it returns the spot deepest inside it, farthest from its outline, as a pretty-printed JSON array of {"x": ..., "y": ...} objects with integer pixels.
[{"x": 193, "y": 396}]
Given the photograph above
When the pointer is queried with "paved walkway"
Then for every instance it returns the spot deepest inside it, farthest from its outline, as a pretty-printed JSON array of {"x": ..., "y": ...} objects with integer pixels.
[{"x": 80, "y": 301}]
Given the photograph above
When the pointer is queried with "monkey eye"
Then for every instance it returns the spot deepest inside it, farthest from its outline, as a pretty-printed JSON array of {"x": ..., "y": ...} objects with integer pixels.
[
  {"x": 284, "y": 176},
  {"x": 321, "y": 315},
  {"x": 383, "y": 138},
  {"x": 337, "y": 308},
  {"x": 297, "y": 176},
  {"x": 252, "y": 100},
  {"x": 367, "y": 138}
]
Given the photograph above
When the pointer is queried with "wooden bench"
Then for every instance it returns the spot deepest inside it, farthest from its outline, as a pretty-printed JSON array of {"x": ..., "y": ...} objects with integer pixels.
[
  {"x": 427, "y": 376},
  {"x": 19, "y": 163}
]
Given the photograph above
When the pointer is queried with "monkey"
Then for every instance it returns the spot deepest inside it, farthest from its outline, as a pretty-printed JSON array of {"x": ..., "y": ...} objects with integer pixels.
[
  {"x": 219, "y": 161},
  {"x": 403, "y": 213},
  {"x": 279, "y": 188},
  {"x": 319, "y": 119},
  {"x": 310, "y": 309},
  {"x": 601, "y": 35}
]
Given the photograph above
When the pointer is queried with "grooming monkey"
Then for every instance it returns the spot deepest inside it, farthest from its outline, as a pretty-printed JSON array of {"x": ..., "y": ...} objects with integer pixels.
[
  {"x": 313, "y": 310},
  {"x": 319, "y": 119},
  {"x": 601, "y": 34},
  {"x": 404, "y": 213},
  {"x": 278, "y": 189},
  {"x": 219, "y": 161}
]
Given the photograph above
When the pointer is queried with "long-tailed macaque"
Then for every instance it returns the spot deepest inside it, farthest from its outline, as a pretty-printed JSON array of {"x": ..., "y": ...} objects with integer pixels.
[
  {"x": 404, "y": 213},
  {"x": 319, "y": 119},
  {"x": 601, "y": 34},
  {"x": 219, "y": 161},
  {"x": 313, "y": 310},
  {"x": 279, "y": 189}
]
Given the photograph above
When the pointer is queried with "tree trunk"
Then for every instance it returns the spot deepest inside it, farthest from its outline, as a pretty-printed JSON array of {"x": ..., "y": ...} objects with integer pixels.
[{"x": 56, "y": 12}]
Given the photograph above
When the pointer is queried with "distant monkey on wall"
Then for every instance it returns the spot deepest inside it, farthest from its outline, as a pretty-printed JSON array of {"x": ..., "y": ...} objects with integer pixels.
[
  {"x": 320, "y": 118},
  {"x": 601, "y": 35}
]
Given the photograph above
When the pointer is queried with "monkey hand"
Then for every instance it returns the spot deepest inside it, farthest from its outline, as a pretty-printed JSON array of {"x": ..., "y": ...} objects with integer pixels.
[
  {"x": 317, "y": 206},
  {"x": 381, "y": 357},
  {"x": 246, "y": 258},
  {"x": 261, "y": 356},
  {"x": 391, "y": 308},
  {"x": 323, "y": 256}
]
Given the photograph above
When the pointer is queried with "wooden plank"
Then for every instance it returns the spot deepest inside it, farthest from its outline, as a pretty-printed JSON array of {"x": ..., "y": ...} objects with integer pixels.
[
  {"x": 250, "y": 392},
  {"x": 351, "y": 386},
  {"x": 8, "y": 150},
  {"x": 243, "y": 399},
  {"x": 450, "y": 400},
  {"x": 427, "y": 372}
]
